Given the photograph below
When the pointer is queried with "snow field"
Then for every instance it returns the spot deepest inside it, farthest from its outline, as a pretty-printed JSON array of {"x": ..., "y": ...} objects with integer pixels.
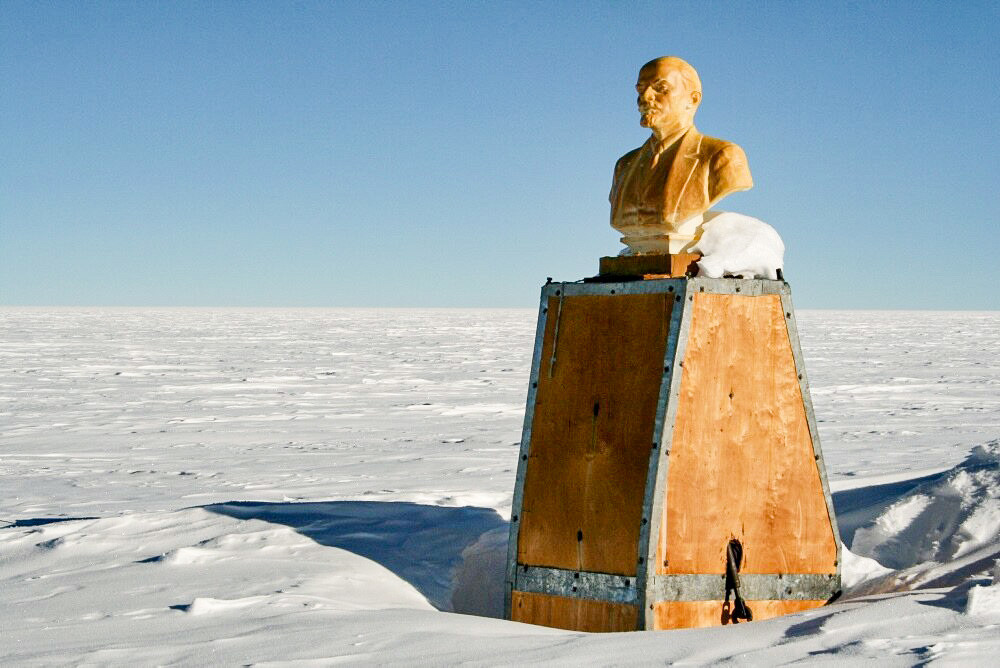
[{"x": 193, "y": 487}]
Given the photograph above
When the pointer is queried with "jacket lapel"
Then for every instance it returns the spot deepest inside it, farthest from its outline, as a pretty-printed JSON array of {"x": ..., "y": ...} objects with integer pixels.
[{"x": 681, "y": 174}]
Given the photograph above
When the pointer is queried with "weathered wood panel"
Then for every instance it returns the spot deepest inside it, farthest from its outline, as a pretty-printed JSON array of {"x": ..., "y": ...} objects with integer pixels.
[
  {"x": 592, "y": 432},
  {"x": 741, "y": 461},
  {"x": 573, "y": 613},
  {"x": 693, "y": 614},
  {"x": 676, "y": 264}
]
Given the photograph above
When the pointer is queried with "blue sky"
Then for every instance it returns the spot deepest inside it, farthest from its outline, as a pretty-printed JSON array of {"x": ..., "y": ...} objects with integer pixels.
[{"x": 456, "y": 154}]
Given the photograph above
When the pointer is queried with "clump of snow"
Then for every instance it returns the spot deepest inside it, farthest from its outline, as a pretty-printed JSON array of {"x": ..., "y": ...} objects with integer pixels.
[
  {"x": 985, "y": 600},
  {"x": 738, "y": 245},
  {"x": 855, "y": 569}
]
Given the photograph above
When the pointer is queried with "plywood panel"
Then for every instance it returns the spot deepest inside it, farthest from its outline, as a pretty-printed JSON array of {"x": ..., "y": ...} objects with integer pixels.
[
  {"x": 592, "y": 432},
  {"x": 741, "y": 460},
  {"x": 573, "y": 613},
  {"x": 693, "y": 614}
]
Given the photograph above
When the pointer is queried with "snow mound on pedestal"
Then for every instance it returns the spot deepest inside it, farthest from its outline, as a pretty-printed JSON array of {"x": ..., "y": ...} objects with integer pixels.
[{"x": 736, "y": 245}]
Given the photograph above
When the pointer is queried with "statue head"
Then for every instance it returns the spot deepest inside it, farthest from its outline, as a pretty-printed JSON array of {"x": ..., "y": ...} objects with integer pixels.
[{"x": 669, "y": 93}]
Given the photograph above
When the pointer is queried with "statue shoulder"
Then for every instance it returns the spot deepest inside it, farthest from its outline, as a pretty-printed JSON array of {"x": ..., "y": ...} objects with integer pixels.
[
  {"x": 626, "y": 160},
  {"x": 727, "y": 164},
  {"x": 720, "y": 149}
]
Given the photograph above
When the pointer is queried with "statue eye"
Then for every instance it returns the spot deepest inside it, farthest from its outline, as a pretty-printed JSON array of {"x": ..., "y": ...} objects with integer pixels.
[{"x": 661, "y": 87}]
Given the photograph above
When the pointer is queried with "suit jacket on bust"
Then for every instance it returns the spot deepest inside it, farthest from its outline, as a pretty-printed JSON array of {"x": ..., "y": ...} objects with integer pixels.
[{"x": 701, "y": 171}]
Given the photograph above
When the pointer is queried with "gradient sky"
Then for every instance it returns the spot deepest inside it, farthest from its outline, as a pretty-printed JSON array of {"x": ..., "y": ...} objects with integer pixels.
[{"x": 456, "y": 154}]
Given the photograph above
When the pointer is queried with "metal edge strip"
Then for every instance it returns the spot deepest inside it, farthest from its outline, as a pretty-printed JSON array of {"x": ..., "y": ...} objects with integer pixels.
[
  {"x": 656, "y": 486},
  {"x": 610, "y": 588},
  {"x": 578, "y": 584},
  {"x": 753, "y": 587},
  {"x": 522, "y": 458},
  {"x": 793, "y": 339},
  {"x": 723, "y": 286}
]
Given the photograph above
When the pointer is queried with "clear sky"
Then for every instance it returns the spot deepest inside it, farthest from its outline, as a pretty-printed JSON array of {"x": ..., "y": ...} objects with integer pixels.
[{"x": 456, "y": 154}]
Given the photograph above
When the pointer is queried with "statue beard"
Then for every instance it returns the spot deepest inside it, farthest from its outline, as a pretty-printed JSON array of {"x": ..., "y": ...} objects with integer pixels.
[{"x": 650, "y": 118}]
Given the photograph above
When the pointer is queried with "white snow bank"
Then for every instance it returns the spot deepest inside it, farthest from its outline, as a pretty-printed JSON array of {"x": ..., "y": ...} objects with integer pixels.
[
  {"x": 738, "y": 245},
  {"x": 945, "y": 518}
]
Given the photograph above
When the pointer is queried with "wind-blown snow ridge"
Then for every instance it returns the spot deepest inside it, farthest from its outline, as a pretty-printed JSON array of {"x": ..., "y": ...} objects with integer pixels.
[{"x": 951, "y": 516}]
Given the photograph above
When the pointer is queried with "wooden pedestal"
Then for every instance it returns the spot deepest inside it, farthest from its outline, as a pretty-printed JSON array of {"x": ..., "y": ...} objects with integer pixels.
[
  {"x": 664, "y": 419},
  {"x": 637, "y": 266}
]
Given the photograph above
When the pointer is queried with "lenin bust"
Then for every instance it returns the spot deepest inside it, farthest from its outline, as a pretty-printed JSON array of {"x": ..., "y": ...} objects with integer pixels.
[{"x": 662, "y": 189}]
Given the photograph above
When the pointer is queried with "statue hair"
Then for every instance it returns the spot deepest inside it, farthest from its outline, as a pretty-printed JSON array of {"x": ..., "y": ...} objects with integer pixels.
[{"x": 688, "y": 73}]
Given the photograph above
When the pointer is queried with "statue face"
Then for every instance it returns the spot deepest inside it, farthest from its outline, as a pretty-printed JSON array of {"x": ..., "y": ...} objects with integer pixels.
[{"x": 665, "y": 103}]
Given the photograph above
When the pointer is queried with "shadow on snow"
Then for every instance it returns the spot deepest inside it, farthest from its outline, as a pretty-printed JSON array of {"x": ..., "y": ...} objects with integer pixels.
[{"x": 455, "y": 557}]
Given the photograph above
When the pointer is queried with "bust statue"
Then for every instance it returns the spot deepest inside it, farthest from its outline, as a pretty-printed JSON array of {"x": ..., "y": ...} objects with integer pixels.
[{"x": 662, "y": 189}]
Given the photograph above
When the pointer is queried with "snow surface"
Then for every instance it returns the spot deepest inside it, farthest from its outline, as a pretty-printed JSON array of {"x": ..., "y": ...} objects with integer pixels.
[
  {"x": 733, "y": 244},
  {"x": 185, "y": 486}
]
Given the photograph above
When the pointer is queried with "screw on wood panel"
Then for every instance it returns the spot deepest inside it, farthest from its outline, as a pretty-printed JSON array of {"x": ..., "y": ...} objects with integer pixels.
[
  {"x": 534, "y": 384},
  {"x": 701, "y": 289},
  {"x": 816, "y": 457},
  {"x": 643, "y": 520},
  {"x": 576, "y": 576},
  {"x": 627, "y": 584},
  {"x": 597, "y": 408},
  {"x": 650, "y": 606},
  {"x": 788, "y": 314},
  {"x": 691, "y": 298},
  {"x": 526, "y": 568},
  {"x": 737, "y": 289},
  {"x": 678, "y": 298},
  {"x": 558, "y": 293},
  {"x": 514, "y": 518},
  {"x": 642, "y": 560},
  {"x": 654, "y": 445},
  {"x": 545, "y": 310},
  {"x": 579, "y": 535},
  {"x": 664, "y": 563},
  {"x": 800, "y": 376},
  {"x": 524, "y": 458},
  {"x": 612, "y": 292},
  {"x": 666, "y": 369},
  {"x": 574, "y": 588},
  {"x": 670, "y": 288}
]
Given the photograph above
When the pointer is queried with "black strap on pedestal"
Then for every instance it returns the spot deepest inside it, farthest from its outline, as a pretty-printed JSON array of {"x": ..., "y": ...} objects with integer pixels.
[{"x": 739, "y": 609}]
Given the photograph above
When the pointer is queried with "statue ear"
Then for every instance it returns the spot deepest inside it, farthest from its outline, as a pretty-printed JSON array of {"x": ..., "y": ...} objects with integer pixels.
[{"x": 696, "y": 97}]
